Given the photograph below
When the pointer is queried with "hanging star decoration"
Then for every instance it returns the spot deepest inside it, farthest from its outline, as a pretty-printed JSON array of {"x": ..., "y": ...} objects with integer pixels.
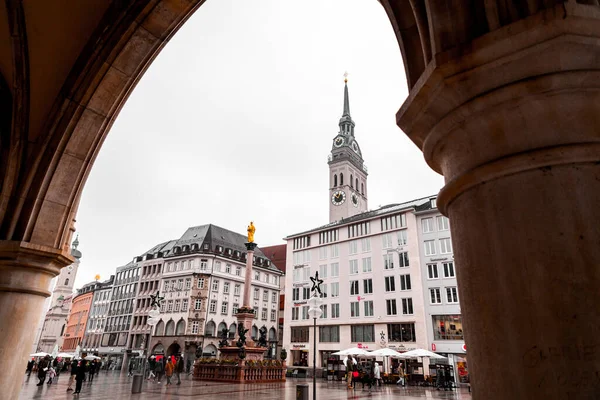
[
  {"x": 156, "y": 300},
  {"x": 316, "y": 283}
]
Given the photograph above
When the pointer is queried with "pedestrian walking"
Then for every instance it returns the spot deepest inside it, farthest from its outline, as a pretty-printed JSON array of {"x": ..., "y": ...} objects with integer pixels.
[
  {"x": 79, "y": 376},
  {"x": 159, "y": 370},
  {"x": 151, "y": 368},
  {"x": 179, "y": 369},
  {"x": 30, "y": 365},
  {"x": 130, "y": 372},
  {"x": 349, "y": 371},
  {"x": 169, "y": 370},
  {"x": 73, "y": 372},
  {"x": 92, "y": 370},
  {"x": 377, "y": 374},
  {"x": 42, "y": 370},
  {"x": 51, "y": 374}
]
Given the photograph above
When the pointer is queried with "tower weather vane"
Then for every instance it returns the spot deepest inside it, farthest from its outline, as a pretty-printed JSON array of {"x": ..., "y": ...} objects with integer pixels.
[
  {"x": 346, "y": 76},
  {"x": 316, "y": 283}
]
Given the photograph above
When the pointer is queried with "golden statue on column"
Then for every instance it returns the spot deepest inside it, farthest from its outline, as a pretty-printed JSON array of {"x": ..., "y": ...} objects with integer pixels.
[{"x": 251, "y": 230}]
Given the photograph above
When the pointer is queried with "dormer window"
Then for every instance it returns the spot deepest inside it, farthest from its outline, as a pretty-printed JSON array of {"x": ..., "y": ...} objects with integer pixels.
[
  {"x": 433, "y": 203},
  {"x": 229, "y": 252},
  {"x": 206, "y": 247},
  {"x": 236, "y": 254},
  {"x": 219, "y": 249}
]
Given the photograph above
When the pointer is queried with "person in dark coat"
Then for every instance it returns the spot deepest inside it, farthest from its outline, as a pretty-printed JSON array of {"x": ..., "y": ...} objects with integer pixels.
[
  {"x": 73, "y": 372},
  {"x": 159, "y": 370},
  {"x": 178, "y": 368},
  {"x": 42, "y": 369},
  {"x": 79, "y": 376},
  {"x": 30, "y": 365}
]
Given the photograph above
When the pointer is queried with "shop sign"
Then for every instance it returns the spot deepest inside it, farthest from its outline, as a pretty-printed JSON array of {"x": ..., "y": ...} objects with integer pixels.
[
  {"x": 433, "y": 347},
  {"x": 301, "y": 284},
  {"x": 300, "y": 266},
  {"x": 362, "y": 346},
  {"x": 464, "y": 347},
  {"x": 439, "y": 259},
  {"x": 298, "y": 346},
  {"x": 299, "y": 303}
]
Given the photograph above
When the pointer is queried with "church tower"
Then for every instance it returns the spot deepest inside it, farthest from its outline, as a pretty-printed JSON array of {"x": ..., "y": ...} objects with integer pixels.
[
  {"x": 347, "y": 171},
  {"x": 66, "y": 279}
]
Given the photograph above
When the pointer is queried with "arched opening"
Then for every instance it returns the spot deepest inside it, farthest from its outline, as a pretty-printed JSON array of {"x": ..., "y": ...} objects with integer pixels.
[
  {"x": 158, "y": 349},
  {"x": 66, "y": 281},
  {"x": 272, "y": 335},
  {"x": 170, "y": 329},
  {"x": 341, "y": 179},
  {"x": 232, "y": 330},
  {"x": 351, "y": 181},
  {"x": 160, "y": 328},
  {"x": 222, "y": 326},
  {"x": 362, "y": 188},
  {"x": 254, "y": 332},
  {"x": 210, "y": 329},
  {"x": 356, "y": 184},
  {"x": 335, "y": 180},
  {"x": 210, "y": 351},
  {"x": 62, "y": 330},
  {"x": 173, "y": 349},
  {"x": 180, "y": 328}
]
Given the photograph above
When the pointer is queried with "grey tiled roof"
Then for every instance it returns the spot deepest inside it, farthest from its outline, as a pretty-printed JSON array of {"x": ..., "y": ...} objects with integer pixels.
[{"x": 388, "y": 209}]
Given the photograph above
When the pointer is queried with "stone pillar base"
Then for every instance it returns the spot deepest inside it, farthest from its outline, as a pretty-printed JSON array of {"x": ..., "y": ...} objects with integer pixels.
[{"x": 25, "y": 274}]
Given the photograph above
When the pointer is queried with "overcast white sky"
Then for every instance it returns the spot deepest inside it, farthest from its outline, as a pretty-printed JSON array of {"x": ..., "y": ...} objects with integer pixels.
[{"x": 234, "y": 121}]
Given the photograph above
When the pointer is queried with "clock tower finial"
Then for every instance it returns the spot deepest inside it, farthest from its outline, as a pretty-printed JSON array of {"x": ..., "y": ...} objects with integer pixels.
[{"x": 348, "y": 174}]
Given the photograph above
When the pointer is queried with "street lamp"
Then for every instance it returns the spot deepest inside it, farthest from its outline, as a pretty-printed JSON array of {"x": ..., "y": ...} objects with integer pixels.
[
  {"x": 152, "y": 321},
  {"x": 314, "y": 312}
]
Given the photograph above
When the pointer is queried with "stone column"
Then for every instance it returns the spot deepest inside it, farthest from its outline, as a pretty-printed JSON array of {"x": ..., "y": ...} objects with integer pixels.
[
  {"x": 514, "y": 126},
  {"x": 246, "y": 318},
  {"x": 25, "y": 274},
  {"x": 248, "y": 278}
]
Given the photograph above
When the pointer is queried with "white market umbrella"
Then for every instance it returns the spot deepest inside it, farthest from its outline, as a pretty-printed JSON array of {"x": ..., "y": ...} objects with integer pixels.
[
  {"x": 65, "y": 355},
  {"x": 78, "y": 352},
  {"x": 40, "y": 354},
  {"x": 353, "y": 351},
  {"x": 385, "y": 352},
  {"x": 91, "y": 358},
  {"x": 420, "y": 353}
]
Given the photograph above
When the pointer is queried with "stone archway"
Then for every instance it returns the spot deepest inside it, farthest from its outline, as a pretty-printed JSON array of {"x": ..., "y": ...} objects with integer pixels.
[
  {"x": 173, "y": 349},
  {"x": 503, "y": 95}
]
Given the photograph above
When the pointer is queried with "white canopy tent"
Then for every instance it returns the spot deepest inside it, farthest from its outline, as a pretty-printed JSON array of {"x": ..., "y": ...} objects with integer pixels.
[
  {"x": 421, "y": 353},
  {"x": 39, "y": 354},
  {"x": 386, "y": 353},
  {"x": 353, "y": 351},
  {"x": 65, "y": 355}
]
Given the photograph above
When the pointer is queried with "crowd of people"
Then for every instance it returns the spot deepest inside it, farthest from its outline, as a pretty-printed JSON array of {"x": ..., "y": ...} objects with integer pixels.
[
  {"x": 79, "y": 370},
  {"x": 168, "y": 366}
]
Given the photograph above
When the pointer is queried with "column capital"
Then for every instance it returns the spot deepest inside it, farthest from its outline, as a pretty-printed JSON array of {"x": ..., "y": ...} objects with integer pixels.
[
  {"x": 528, "y": 86},
  {"x": 28, "y": 268},
  {"x": 250, "y": 246}
]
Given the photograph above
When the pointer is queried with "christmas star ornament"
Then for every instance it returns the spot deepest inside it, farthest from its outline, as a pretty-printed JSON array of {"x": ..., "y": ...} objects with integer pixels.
[
  {"x": 156, "y": 300},
  {"x": 316, "y": 283}
]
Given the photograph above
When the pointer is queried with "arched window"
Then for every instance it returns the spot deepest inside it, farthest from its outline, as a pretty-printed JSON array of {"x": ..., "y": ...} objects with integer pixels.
[
  {"x": 362, "y": 188},
  {"x": 66, "y": 281},
  {"x": 160, "y": 328},
  {"x": 272, "y": 335},
  {"x": 222, "y": 326},
  {"x": 170, "y": 329},
  {"x": 62, "y": 330},
  {"x": 356, "y": 183},
  {"x": 180, "y": 328},
  {"x": 335, "y": 180},
  {"x": 351, "y": 181},
  {"x": 232, "y": 330},
  {"x": 341, "y": 179},
  {"x": 210, "y": 329},
  {"x": 254, "y": 332}
]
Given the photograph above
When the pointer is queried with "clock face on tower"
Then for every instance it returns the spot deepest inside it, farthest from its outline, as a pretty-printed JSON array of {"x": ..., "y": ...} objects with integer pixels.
[
  {"x": 338, "y": 198},
  {"x": 355, "y": 147},
  {"x": 354, "y": 198},
  {"x": 338, "y": 141}
]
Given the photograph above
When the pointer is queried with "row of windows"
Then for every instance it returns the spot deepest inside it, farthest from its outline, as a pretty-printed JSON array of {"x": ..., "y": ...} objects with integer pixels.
[
  {"x": 151, "y": 269},
  {"x": 301, "y": 242},
  {"x": 329, "y": 236},
  {"x": 447, "y": 268},
  {"x": 393, "y": 222},
  {"x": 435, "y": 295},
  {"x": 359, "y": 229},
  {"x": 431, "y": 248},
  {"x": 353, "y": 181},
  {"x": 355, "y": 309},
  {"x": 404, "y": 333},
  {"x": 427, "y": 226},
  {"x": 127, "y": 274}
]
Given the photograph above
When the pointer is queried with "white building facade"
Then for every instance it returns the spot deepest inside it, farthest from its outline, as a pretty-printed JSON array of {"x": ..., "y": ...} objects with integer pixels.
[{"x": 445, "y": 333}]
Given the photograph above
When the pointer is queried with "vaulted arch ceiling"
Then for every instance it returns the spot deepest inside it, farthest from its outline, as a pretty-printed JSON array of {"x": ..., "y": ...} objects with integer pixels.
[{"x": 69, "y": 66}]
